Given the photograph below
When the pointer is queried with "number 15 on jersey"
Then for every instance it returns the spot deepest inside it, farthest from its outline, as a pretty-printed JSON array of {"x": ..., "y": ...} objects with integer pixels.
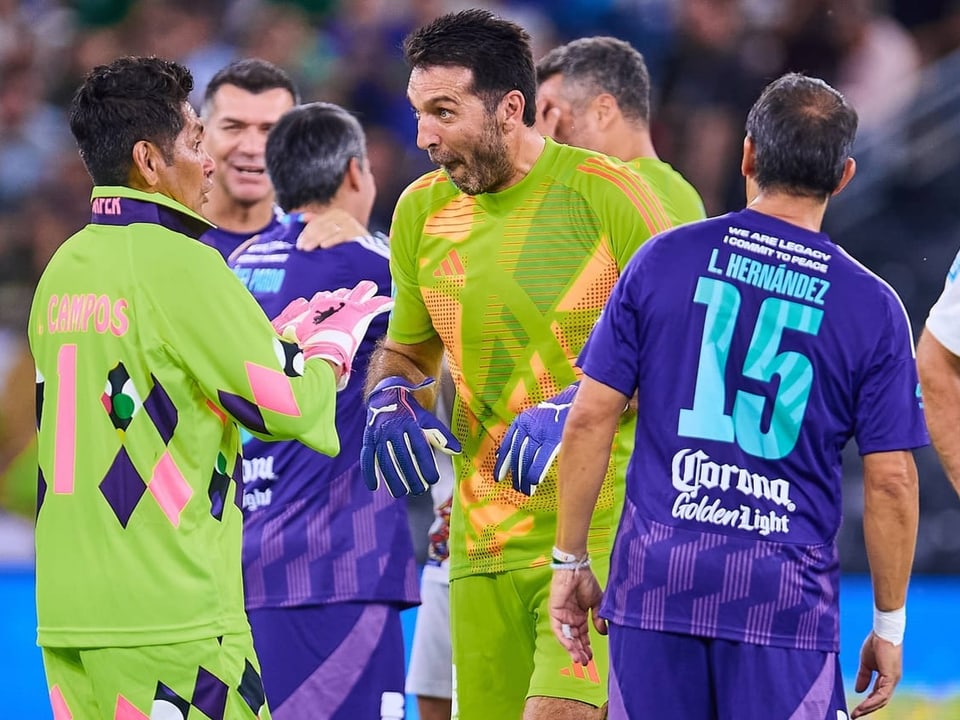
[{"x": 764, "y": 360}]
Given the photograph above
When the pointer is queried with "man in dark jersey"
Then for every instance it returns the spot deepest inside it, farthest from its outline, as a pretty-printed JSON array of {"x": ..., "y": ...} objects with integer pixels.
[
  {"x": 758, "y": 348},
  {"x": 327, "y": 565}
]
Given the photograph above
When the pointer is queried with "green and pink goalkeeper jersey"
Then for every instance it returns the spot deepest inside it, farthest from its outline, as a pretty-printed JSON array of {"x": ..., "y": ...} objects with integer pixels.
[
  {"x": 149, "y": 351},
  {"x": 513, "y": 282}
]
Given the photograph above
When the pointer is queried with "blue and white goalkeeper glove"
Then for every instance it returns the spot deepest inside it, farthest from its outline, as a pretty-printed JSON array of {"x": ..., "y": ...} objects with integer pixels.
[
  {"x": 532, "y": 442},
  {"x": 399, "y": 438}
]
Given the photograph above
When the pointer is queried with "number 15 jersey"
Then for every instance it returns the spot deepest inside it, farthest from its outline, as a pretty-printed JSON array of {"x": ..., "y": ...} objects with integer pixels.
[{"x": 758, "y": 349}]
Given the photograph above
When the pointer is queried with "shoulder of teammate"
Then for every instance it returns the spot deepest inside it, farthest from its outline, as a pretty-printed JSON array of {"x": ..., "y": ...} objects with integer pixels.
[
  {"x": 874, "y": 292},
  {"x": 275, "y": 238},
  {"x": 376, "y": 244},
  {"x": 682, "y": 202},
  {"x": 629, "y": 208}
]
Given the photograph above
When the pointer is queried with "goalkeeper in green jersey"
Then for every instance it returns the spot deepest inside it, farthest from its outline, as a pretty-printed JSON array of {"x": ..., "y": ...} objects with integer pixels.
[
  {"x": 149, "y": 352},
  {"x": 502, "y": 259}
]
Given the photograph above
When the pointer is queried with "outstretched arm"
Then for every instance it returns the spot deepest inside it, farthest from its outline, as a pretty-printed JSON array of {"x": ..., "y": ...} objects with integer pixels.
[{"x": 939, "y": 372}]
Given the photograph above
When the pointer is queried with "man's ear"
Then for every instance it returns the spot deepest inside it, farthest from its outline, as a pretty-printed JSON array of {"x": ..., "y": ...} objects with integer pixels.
[
  {"x": 849, "y": 170},
  {"x": 605, "y": 107},
  {"x": 353, "y": 177},
  {"x": 749, "y": 161},
  {"x": 145, "y": 170},
  {"x": 510, "y": 109}
]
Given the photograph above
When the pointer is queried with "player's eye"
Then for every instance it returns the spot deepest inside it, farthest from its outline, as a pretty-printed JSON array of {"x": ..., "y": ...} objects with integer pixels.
[{"x": 444, "y": 114}]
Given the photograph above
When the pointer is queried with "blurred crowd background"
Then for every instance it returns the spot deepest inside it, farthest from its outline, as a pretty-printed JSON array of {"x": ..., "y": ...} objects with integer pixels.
[{"x": 897, "y": 62}]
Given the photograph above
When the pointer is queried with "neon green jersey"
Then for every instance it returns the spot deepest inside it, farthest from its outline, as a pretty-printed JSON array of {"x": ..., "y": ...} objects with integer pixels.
[
  {"x": 513, "y": 282},
  {"x": 148, "y": 351}
]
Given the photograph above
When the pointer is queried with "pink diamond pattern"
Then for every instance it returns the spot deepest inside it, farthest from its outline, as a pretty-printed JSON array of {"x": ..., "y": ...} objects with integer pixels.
[
  {"x": 59, "y": 704},
  {"x": 126, "y": 711},
  {"x": 271, "y": 390},
  {"x": 169, "y": 488}
]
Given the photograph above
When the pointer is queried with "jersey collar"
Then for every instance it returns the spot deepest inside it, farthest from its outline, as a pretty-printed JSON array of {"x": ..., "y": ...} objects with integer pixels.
[{"x": 118, "y": 205}]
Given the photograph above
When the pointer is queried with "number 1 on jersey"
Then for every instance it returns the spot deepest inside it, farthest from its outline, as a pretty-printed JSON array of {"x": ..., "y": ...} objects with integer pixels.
[
  {"x": 707, "y": 419},
  {"x": 65, "y": 436}
]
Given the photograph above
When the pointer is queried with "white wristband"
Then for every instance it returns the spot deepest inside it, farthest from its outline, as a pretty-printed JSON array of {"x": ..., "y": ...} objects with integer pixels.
[
  {"x": 890, "y": 625},
  {"x": 568, "y": 561}
]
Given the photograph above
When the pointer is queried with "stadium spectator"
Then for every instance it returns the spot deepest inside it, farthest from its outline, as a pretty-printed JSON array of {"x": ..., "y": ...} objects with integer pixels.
[{"x": 725, "y": 565}]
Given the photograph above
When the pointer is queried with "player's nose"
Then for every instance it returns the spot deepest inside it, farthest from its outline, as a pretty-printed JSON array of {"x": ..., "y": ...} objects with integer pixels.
[{"x": 427, "y": 135}]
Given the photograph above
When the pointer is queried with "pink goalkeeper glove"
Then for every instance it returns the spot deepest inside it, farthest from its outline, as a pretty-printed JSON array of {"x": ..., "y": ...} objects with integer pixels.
[
  {"x": 332, "y": 325},
  {"x": 286, "y": 322}
]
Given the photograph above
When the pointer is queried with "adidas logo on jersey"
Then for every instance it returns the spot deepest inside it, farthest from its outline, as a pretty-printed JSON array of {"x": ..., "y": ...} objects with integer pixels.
[
  {"x": 450, "y": 266},
  {"x": 582, "y": 672}
]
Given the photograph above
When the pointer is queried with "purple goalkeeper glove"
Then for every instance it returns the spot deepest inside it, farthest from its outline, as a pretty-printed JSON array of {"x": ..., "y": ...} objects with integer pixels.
[
  {"x": 532, "y": 442},
  {"x": 332, "y": 325},
  {"x": 399, "y": 438}
]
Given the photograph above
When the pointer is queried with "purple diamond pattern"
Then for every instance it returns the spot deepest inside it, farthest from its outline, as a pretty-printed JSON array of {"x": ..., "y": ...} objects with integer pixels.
[
  {"x": 238, "y": 481},
  {"x": 210, "y": 694},
  {"x": 251, "y": 688},
  {"x": 41, "y": 488},
  {"x": 161, "y": 410},
  {"x": 39, "y": 399},
  {"x": 123, "y": 487},
  {"x": 167, "y": 695},
  {"x": 243, "y": 410}
]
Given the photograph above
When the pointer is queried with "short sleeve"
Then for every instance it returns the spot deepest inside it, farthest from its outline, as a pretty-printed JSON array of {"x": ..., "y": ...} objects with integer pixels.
[
  {"x": 943, "y": 321},
  {"x": 410, "y": 321},
  {"x": 889, "y": 413}
]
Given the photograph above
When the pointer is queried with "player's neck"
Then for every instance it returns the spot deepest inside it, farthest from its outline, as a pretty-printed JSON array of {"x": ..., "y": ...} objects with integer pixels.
[
  {"x": 804, "y": 212},
  {"x": 631, "y": 144},
  {"x": 234, "y": 217},
  {"x": 525, "y": 152}
]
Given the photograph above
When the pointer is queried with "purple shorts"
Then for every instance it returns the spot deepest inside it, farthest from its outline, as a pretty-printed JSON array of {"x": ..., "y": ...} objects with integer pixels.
[
  {"x": 341, "y": 661},
  {"x": 685, "y": 677}
]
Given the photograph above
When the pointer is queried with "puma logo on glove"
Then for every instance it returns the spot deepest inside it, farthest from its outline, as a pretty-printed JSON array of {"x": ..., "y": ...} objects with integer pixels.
[
  {"x": 532, "y": 442},
  {"x": 399, "y": 439}
]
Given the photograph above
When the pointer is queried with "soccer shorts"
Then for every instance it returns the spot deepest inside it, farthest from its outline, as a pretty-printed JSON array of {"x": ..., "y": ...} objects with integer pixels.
[
  {"x": 685, "y": 677},
  {"x": 219, "y": 677},
  {"x": 431, "y": 667},
  {"x": 346, "y": 658},
  {"x": 504, "y": 650}
]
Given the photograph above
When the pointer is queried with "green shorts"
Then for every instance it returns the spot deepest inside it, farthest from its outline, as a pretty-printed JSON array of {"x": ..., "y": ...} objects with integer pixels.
[
  {"x": 219, "y": 677},
  {"x": 504, "y": 650}
]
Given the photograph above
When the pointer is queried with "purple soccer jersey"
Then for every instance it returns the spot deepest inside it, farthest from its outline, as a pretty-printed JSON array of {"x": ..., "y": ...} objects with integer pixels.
[
  {"x": 313, "y": 533},
  {"x": 227, "y": 243},
  {"x": 758, "y": 349}
]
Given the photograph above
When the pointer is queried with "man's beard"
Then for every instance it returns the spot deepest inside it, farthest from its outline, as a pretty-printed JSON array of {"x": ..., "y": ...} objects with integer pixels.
[{"x": 488, "y": 168}]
